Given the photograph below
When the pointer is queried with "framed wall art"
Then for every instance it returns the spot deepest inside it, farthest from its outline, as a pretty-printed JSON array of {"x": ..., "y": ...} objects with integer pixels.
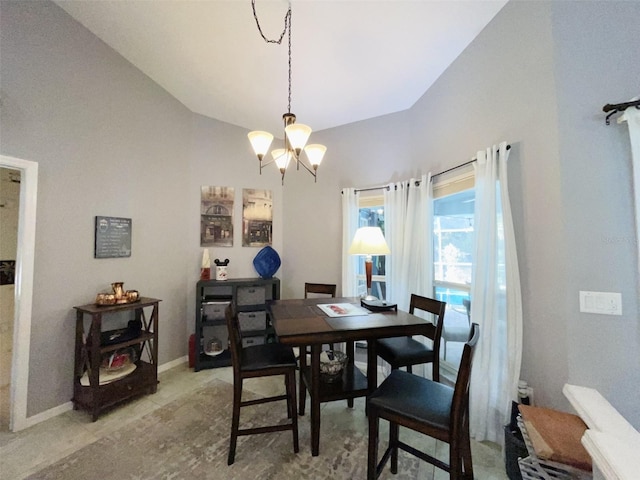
[
  {"x": 257, "y": 217},
  {"x": 112, "y": 237},
  {"x": 216, "y": 216}
]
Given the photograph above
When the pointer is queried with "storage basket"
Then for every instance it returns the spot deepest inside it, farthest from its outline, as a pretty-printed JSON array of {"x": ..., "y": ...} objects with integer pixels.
[
  {"x": 514, "y": 447},
  {"x": 214, "y": 310},
  {"x": 534, "y": 468},
  {"x": 251, "y": 341},
  {"x": 251, "y": 295},
  {"x": 252, "y": 321}
]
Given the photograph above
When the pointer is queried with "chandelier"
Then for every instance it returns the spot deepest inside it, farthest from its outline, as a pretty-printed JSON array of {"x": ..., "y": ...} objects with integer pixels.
[{"x": 295, "y": 134}]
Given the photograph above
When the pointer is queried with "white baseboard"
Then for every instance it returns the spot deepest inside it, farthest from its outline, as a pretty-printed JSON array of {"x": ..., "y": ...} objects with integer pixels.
[
  {"x": 65, "y": 407},
  {"x": 47, "y": 414},
  {"x": 173, "y": 363}
]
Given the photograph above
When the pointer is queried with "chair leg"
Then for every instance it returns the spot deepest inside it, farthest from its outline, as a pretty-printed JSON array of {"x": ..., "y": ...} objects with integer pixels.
[
  {"x": 394, "y": 434},
  {"x": 351, "y": 352},
  {"x": 372, "y": 455},
  {"x": 467, "y": 462},
  {"x": 235, "y": 419},
  {"x": 302, "y": 389},
  {"x": 409, "y": 369},
  {"x": 290, "y": 381},
  {"x": 461, "y": 466},
  {"x": 287, "y": 388}
]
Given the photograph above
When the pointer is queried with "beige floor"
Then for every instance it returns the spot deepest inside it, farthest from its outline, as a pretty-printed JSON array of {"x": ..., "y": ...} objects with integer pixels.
[{"x": 27, "y": 452}]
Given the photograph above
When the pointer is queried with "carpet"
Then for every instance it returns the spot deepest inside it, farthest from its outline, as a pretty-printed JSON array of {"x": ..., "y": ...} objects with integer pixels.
[{"x": 188, "y": 438}]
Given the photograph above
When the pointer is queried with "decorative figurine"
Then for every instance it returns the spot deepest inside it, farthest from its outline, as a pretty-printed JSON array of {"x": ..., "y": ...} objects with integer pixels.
[{"x": 221, "y": 268}]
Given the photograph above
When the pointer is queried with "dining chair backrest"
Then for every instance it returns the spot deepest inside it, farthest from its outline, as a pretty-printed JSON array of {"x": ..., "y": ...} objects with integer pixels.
[
  {"x": 467, "y": 306},
  {"x": 429, "y": 305},
  {"x": 460, "y": 401},
  {"x": 437, "y": 309},
  {"x": 235, "y": 339},
  {"x": 321, "y": 288}
]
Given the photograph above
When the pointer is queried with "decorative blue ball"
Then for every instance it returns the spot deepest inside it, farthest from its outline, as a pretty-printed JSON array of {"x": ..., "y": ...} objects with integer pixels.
[{"x": 267, "y": 262}]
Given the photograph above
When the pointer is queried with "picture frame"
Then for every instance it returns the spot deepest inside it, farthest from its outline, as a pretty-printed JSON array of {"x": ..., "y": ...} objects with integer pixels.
[{"x": 112, "y": 237}]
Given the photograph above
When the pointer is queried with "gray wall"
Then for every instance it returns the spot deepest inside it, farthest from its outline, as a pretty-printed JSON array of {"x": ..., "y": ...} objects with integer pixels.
[
  {"x": 109, "y": 141},
  {"x": 597, "y": 61},
  {"x": 536, "y": 77},
  {"x": 106, "y": 139}
]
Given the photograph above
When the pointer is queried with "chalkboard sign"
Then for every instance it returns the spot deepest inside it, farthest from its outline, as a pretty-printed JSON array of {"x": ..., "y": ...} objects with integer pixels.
[{"x": 113, "y": 237}]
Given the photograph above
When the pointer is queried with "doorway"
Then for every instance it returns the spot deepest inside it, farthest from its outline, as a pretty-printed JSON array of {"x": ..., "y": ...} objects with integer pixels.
[
  {"x": 27, "y": 173},
  {"x": 9, "y": 208}
]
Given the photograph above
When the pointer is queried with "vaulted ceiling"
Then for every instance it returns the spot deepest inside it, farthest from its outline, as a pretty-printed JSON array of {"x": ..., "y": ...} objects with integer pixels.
[{"x": 351, "y": 59}]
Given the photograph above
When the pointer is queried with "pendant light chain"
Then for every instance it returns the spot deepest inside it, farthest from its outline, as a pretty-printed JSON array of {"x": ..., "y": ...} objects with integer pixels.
[
  {"x": 289, "y": 104},
  {"x": 287, "y": 27}
]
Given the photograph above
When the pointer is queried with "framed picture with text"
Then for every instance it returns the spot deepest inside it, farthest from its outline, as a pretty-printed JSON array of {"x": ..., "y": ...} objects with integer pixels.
[{"x": 112, "y": 237}]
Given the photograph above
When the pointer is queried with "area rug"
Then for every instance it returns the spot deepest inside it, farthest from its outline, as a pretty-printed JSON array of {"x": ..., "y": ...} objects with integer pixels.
[{"x": 188, "y": 438}]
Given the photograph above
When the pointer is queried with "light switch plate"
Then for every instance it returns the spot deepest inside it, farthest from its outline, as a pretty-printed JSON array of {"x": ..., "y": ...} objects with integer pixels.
[{"x": 604, "y": 303}]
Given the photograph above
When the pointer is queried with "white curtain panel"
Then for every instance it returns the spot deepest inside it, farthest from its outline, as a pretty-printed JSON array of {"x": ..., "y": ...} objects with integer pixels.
[
  {"x": 419, "y": 238},
  {"x": 632, "y": 117},
  {"x": 395, "y": 214},
  {"x": 409, "y": 234},
  {"x": 496, "y": 303},
  {"x": 350, "y": 214},
  {"x": 408, "y": 229}
]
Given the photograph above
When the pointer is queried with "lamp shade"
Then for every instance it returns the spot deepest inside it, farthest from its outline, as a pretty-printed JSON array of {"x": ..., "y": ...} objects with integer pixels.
[
  {"x": 315, "y": 152},
  {"x": 298, "y": 134},
  {"x": 369, "y": 241},
  {"x": 260, "y": 141},
  {"x": 281, "y": 157}
]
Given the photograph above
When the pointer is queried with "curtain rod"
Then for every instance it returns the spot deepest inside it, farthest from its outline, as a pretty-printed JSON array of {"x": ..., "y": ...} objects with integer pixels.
[
  {"x": 618, "y": 107},
  {"x": 432, "y": 176}
]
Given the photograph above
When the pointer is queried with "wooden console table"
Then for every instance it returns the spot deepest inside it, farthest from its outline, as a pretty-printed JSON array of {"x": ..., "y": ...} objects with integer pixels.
[{"x": 88, "y": 392}]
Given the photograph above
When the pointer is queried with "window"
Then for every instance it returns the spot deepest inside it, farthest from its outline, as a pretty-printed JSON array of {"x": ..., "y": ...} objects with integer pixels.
[
  {"x": 371, "y": 214},
  {"x": 453, "y": 243}
]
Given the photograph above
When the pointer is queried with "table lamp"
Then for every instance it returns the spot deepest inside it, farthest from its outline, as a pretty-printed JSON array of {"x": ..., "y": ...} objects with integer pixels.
[{"x": 369, "y": 241}]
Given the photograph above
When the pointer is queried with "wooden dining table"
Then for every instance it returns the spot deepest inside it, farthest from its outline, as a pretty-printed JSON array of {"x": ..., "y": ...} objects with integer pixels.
[{"x": 302, "y": 323}]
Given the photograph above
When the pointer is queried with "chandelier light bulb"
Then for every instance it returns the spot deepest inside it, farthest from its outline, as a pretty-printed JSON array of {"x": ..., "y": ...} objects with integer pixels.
[
  {"x": 281, "y": 157},
  {"x": 315, "y": 152},
  {"x": 297, "y": 134},
  {"x": 260, "y": 141}
]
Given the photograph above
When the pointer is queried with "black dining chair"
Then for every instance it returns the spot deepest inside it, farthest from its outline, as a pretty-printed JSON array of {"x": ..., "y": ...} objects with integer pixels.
[
  {"x": 455, "y": 333},
  {"x": 327, "y": 289},
  {"x": 408, "y": 351},
  {"x": 320, "y": 289},
  {"x": 427, "y": 407},
  {"x": 260, "y": 361}
]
